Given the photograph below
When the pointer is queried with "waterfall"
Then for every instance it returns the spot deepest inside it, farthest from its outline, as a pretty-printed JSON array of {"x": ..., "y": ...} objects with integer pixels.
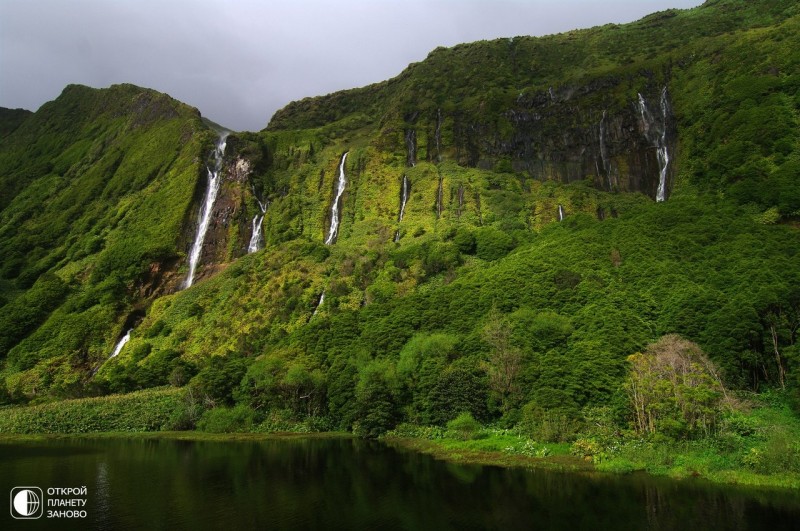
[
  {"x": 438, "y": 135},
  {"x": 604, "y": 152},
  {"x": 663, "y": 154},
  {"x": 121, "y": 343},
  {"x": 656, "y": 134},
  {"x": 644, "y": 113},
  {"x": 256, "y": 241},
  {"x": 214, "y": 179},
  {"x": 319, "y": 304},
  {"x": 440, "y": 198},
  {"x": 404, "y": 193},
  {"x": 333, "y": 232},
  {"x": 411, "y": 147},
  {"x": 560, "y": 213}
]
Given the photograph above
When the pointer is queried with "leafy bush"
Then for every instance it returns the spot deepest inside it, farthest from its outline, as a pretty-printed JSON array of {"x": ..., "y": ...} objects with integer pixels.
[
  {"x": 226, "y": 420},
  {"x": 674, "y": 389},
  {"x": 548, "y": 425},
  {"x": 464, "y": 426},
  {"x": 491, "y": 243},
  {"x": 148, "y": 410}
]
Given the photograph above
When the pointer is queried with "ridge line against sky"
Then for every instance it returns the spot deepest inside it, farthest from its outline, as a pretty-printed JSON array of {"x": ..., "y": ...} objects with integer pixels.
[{"x": 240, "y": 61}]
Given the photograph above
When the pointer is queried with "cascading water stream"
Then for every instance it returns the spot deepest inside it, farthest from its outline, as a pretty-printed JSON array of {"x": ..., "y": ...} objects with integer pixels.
[
  {"x": 440, "y": 198},
  {"x": 335, "y": 214},
  {"x": 121, "y": 343},
  {"x": 411, "y": 147},
  {"x": 319, "y": 304},
  {"x": 604, "y": 152},
  {"x": 663, "y": 154},
  {"x": 658, "y": 137},
  {"x": 214, "y": 179},
  {"x": 560, "y": 213},
  {"x": 644, "y": 113},
  {"x": 404, "y": 193},
  {"x": 256, "y": 239},
  {"x": 438, "y": 135}
]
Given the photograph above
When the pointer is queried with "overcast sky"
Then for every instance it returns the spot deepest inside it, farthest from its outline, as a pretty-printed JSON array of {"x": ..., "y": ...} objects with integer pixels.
[{"x": 239, "y": 61}]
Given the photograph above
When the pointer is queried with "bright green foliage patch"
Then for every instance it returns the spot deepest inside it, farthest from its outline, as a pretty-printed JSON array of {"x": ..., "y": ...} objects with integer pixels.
[{"x": 149, "y": 410}]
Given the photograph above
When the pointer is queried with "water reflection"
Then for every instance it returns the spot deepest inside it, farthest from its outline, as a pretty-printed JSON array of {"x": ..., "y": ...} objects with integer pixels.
[{"x": 352, "y": 484}]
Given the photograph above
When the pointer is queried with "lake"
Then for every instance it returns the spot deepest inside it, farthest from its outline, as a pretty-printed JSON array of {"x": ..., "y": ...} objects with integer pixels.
[{"x": 341, "y": 483}]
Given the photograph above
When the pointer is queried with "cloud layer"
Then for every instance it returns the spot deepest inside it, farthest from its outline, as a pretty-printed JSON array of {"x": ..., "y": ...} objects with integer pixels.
[{"x": 240, "y": 61}]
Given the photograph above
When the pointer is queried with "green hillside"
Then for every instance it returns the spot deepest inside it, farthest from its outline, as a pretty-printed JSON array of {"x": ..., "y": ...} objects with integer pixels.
[{"x": 526, "y": 224}]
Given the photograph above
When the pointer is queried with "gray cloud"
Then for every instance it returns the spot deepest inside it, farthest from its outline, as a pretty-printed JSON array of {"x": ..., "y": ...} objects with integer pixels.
[{"x": 240, "y": 61}]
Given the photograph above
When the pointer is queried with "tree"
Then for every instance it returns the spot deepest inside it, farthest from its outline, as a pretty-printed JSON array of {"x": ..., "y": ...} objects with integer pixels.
[
  {"x": 674, "y": 389},
  {"x": 505, "y": 360}
]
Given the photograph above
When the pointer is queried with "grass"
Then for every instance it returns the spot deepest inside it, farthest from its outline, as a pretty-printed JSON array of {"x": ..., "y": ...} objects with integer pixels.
[{"x": 493, "y": 447}]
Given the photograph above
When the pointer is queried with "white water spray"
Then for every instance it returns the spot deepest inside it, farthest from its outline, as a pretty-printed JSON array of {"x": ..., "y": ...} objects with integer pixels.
[
  {"x": 604, "y": 152},
  {"x": 560, "y": 213},
  {"x": 335, "y": 214},
  {"x": 256, "y": 241},
  {"x": 404, "y": 198},
  {"x": 663, "y": 154},
  {"x": 214, "y": 179},
  {"x": 319, "y": 304},
  {"x": 121, "y": 343},
  {"x": 404, "y": 193},
  {"x": 658, "y": 137},
  {"x": 644, "y": 113}
]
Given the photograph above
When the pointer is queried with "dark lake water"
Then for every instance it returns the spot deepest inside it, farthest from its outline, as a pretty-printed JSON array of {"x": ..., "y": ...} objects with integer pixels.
[{"x": 352, "y": 484}]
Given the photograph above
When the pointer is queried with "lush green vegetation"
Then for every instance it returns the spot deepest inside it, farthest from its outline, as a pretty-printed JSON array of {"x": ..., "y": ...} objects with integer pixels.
[
  {"x": 149, "y": 410},
  {"x": 96, "y": 187},
  {"x": 640, "y": 335}
]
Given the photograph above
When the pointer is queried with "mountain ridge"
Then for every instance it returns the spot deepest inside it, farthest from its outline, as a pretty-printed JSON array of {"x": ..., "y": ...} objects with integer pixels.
[{"x": 643, "y": 193}]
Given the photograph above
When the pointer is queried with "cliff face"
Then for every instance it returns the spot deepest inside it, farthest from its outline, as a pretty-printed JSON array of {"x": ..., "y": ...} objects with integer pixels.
[
  {"x": 566, "y": 134},
  {"x": 230, "y": 226},
  {"x": 476, "y": 151}
]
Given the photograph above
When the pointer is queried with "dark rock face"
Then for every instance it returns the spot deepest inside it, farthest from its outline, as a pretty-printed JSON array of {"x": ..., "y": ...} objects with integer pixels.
[
  {"x": 567, "y": 134},
  {"x": 229, "y": 229},
  {"x": 570, "y": 135}
]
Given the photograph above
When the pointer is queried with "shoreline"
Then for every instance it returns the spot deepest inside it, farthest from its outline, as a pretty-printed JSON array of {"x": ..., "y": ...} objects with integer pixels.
[{"x": 452, "y": 451}]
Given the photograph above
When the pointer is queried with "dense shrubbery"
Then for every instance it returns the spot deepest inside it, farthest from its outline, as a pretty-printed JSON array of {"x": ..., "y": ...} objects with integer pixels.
[
  {"x": 150, "y": 410},
  {"x": 484, "y": 312}
]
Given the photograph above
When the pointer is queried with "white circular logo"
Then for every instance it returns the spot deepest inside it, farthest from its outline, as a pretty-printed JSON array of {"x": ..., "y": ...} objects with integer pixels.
[{"x": 26, "y": 502}]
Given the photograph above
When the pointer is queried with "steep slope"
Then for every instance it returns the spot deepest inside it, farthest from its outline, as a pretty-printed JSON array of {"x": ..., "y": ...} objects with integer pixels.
[
  {"x": 10, "y": 119},
  {"x": 482, "y": 153},
  {"x": 98, "y": 190},
  {"x": 579, "y": 195},
  {"x": 594, "y": 104}
]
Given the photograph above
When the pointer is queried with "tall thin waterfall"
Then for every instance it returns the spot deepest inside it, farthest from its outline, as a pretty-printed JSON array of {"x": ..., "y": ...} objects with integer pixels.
[
  {"x": 333, "y": 232},
  {"x": 663, "y": 154},
  {"x": 657, "y": 135},
  {"x": 214, "y": 179},
  {"x": 644, "y": 112},
  {"x": 560, "y": 213},
  {"x": 319, "y": 304},
  {"x": 440, "y": 198},
  {"x": 604, "y": 152},
  {"x": 121, "y": 343},
  {"x": 438, "y": 135},
  {"x": 411, "y": 147},
  {"x": 404, "y": 193},
  {"x": 256, "y": 241}
]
